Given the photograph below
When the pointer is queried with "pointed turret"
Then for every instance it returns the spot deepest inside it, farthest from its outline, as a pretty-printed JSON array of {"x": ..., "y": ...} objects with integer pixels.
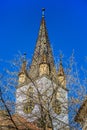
[
  {"x": 61, "y": 70},
  {"x": 61, "y": 75},
  {"x": 42, "y": 49},
  {"x": 22, "y": 73}
]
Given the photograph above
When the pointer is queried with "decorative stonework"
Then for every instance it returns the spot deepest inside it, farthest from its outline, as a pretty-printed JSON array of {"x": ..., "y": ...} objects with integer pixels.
[{"x": 44, "y": 69}]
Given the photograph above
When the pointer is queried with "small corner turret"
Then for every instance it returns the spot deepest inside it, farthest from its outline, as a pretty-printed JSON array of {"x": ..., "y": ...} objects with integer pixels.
[
  {"x": 22, "y": 73},
  {"x": 61, "y": 75},
  {"x": 44, "y": 68}
]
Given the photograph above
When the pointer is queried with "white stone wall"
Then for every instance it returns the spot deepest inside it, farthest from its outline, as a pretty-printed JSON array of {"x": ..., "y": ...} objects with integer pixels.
[{"x": 46, "y": 88}]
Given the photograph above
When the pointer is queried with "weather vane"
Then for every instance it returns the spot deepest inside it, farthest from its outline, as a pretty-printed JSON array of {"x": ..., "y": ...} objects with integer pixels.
[
  {"x": 24, "y": 56},
  {"x": 43, "y": 11}
]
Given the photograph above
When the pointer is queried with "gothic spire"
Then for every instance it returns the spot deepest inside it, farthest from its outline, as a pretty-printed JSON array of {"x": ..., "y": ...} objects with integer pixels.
[{"x": 42, "y": 47}]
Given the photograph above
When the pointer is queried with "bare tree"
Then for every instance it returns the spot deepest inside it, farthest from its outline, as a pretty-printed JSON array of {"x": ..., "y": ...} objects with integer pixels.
[{"x": 47, "y": 100}]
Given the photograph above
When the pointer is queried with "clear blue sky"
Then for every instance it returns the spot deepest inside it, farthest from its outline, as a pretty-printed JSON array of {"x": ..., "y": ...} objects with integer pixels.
[{"x": 66, "y": 23}]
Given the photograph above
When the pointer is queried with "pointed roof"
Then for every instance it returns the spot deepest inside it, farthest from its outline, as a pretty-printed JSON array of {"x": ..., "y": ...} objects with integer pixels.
[
  {"x": 61, "y": 70},
  {"x": 23, "y": 67},
  {"x": 61, "y": 76},
  {"x": 42, "y": 47}
]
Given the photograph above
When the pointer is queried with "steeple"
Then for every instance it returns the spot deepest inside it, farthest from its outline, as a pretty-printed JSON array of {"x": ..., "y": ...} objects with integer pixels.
[{"x": 42, "y": 47}]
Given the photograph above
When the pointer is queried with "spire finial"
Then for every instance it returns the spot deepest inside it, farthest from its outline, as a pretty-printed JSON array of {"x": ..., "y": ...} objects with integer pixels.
[
  {"x": 43, "y": 10},
  {"x": 61, "y": 57},
  {"x": 24, "y": 57}
]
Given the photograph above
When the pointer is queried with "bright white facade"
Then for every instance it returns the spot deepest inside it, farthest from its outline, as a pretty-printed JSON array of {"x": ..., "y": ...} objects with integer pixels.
[{"x": 46, "y": 88}]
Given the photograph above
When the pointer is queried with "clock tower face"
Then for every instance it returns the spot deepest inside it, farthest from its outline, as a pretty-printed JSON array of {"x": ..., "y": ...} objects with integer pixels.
[
  {"x": 29, "y": 104},
  {"x": 44, "y": 69},
  {"x": 56, "y": 105},
  {"x": 28, "y": 107},
  {"x": 22, "y": 78}
]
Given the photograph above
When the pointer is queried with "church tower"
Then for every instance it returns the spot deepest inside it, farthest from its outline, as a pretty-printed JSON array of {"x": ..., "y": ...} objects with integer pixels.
[{"x": 41, "y": 96}]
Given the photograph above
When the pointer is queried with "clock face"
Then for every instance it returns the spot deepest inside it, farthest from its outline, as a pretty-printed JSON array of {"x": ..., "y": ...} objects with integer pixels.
[
  {"x": 22, "y": 78},
  {"x": 44, "y": 69},
  {"x": 29, "y": 105},
  {"x": 56, "y": 105}
]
